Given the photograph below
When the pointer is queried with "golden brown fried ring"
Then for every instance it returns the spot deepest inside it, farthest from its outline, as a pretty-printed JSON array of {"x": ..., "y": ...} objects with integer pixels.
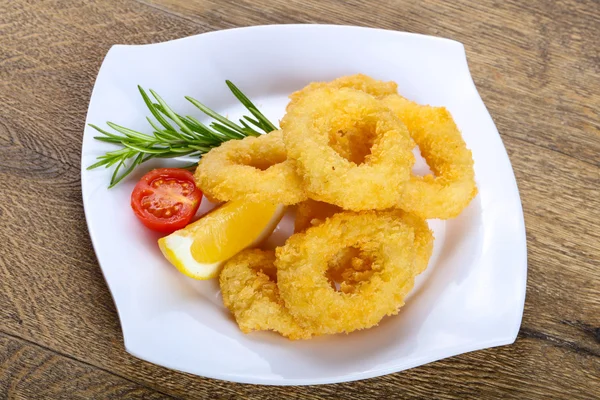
[
  {"x": 316, "y": 118},
  {"x": 349, "y": 266},
  {"x": 453, "y": 187},
  {"x": 302, "y": 264},
  {"x": 249, "y": 289},
  {"x": 360, "y": 82},
  {"x": 253, "y": 169}
]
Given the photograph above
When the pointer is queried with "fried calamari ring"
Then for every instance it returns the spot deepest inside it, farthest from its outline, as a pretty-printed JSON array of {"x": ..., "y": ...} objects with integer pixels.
[
  {"x": 252, "y": 169},
  {"x": 311, "y": 213},
  {"x": 348, "y": 265},
  {"x": 453, "y": 187},
  {"x": 352, "y": 267},
  {"x": 249, "y": 290},
  {"x": 302, "y": 264},
  {"x": 360, "y": 82},
  {"x": 349, "y": 142},
  {"x": 315, "y": 121}
]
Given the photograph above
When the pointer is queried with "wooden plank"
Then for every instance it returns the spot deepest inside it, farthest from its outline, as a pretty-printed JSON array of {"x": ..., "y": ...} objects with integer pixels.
[
  {"x": 535, "y": 71},
  {"x": 28, "y": 371}
]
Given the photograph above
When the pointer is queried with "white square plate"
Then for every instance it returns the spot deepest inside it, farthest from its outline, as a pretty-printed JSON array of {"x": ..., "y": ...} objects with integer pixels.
[{"x": 471, "y": 297}]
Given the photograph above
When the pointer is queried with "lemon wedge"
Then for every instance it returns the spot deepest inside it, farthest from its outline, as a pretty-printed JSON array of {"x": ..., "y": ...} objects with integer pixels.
[{"x": 200, "y": 249}]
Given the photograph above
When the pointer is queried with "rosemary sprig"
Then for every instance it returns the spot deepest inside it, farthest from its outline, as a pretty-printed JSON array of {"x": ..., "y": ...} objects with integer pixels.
[
  {"x": 261, "y": 121},
  {"x": 174, "y": 135}
]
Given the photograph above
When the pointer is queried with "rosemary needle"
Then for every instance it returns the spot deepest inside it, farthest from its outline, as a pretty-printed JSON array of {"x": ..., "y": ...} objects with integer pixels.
[{"x": 175, "y": 135}]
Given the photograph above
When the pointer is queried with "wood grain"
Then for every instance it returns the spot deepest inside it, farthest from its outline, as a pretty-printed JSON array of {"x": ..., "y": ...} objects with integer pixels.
[
  {"x": 29, "y": 371},
  {"x": 537, "y": 67}
]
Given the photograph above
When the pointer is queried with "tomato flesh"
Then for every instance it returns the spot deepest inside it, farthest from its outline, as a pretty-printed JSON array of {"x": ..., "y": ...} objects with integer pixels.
[{"x": 166, "y": 199}]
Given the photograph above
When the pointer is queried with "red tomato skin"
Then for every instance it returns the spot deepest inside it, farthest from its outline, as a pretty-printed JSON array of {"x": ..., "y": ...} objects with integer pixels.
[{"x": 164, "y": 185}]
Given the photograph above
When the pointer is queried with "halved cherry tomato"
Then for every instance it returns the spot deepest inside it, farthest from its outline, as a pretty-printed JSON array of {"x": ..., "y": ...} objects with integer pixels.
[{"x": 166, "y": 199}]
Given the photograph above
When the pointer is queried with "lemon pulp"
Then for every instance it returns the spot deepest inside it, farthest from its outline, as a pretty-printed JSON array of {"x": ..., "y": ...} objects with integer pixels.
[{"x": 199, "y": 249}]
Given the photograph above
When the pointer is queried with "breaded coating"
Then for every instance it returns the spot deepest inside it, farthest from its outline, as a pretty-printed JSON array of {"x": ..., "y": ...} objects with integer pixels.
[
  {"x": 311, "y": 213},
  {"x": 314, "y": 122},
  {"x": 452, "y": 187},
  {"x": 303, "y": 261},
  {"x": 249, "y": 290},
  {"x": 360, "y": 82},
  {"x": 253, "y": 169}
]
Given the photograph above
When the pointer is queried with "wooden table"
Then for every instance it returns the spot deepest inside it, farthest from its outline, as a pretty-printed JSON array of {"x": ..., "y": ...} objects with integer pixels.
[{"x": 537, "y": 67}]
